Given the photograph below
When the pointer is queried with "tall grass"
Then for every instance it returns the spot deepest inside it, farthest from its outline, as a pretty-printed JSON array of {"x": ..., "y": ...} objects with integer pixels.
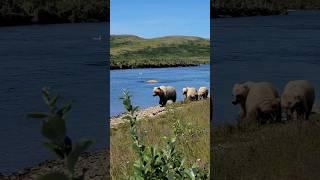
[
  {"x": 275, "y": 151},
  {"x": 190, "y": 121}
]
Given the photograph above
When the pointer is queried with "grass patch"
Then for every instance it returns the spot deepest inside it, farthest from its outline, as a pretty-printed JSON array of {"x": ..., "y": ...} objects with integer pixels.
[
  {"x": 193, "y": 121},
  {"x": 129, "y": 51},
  {"x": 274, "y": 151}
]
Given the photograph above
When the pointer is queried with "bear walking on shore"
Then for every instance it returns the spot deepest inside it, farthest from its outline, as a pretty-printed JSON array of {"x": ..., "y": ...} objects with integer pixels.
[{"x": 165, "y": 93}]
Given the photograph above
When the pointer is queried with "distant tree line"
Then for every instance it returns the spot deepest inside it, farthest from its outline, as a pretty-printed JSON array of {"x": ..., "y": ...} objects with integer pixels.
[
  {"x": 258, "y": 7},
  {"x": 18, "y": 12}
]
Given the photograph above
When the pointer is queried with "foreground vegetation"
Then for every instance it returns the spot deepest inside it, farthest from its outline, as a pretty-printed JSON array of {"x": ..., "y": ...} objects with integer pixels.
[
  {"x": 235, "y": 8},
  {"x": 129, "y": 51},
  {"x": 18, "y": 12},
  {"x": 56, "y": 139},
  {"x": 72, "y": 162},
  {"x": 274, "y": 151},
  {"x": 188, "y": 122}
]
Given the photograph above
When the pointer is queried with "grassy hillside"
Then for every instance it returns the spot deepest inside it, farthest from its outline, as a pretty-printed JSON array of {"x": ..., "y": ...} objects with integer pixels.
[
  {"x": 276, "y": 151},
  {"x": 20, "y": 12},
  {"x": 129, "y": 51},
  {"x": 194, "y": 143},
  {"x": 235, "y": 8}
]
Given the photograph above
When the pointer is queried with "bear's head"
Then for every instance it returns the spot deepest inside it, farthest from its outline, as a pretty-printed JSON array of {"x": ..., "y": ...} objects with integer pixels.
[
  {"x": 239, "y": 93},
  {"x": 184, "y": 91},
  {"x": 157, "y": 91}
]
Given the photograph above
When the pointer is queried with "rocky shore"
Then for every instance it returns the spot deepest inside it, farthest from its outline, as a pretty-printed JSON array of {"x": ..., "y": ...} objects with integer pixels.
[
  {"x": 96, "y": 165},
  {"x": 142, "y": 113}
]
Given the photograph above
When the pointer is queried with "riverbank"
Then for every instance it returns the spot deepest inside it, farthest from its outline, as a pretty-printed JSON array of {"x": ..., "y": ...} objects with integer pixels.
[
  {"x": 150, "y": 112},
  {"x": 29, "y": 12},
  {"x": 223, "y": 12},
  {"x": 96, "y": 165},
  {"x": 129, "y": 51},
  {"x": 155, "y": 123},
  {"x": 156, "y": 64},
  {"x": 238, "y": 8},
  {"x": 273, "y": 151}
]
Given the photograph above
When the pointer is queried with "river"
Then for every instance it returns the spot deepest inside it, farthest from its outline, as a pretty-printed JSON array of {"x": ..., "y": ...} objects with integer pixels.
[
  {"x": 135, "y": 81},
  {"x": 70, "y": 60},
  {"x": 271, "y": 48}
]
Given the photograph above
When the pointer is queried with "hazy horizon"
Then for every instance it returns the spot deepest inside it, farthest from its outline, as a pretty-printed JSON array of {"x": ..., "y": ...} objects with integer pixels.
[{"x": 172, "y": 35}]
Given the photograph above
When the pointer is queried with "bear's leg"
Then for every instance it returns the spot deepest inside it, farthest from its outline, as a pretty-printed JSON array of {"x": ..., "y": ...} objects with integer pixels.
[
  {"x": 161, "y": 101},
  {"x": 174, "y": 99}
]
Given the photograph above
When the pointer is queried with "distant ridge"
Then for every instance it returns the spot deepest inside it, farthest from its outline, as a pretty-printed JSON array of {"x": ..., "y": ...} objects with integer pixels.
[{"x": 130, "y": 51}]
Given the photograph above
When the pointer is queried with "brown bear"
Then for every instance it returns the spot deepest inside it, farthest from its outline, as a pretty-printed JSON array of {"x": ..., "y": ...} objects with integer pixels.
[
  {"x": 165, "y": 93},
  {"x": 297, "y": 98}
]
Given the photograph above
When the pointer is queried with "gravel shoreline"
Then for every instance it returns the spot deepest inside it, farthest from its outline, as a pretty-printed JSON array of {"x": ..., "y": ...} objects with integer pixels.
[
  {"x": 96, "y": 165},
  {"x": 150, "y": 112}
]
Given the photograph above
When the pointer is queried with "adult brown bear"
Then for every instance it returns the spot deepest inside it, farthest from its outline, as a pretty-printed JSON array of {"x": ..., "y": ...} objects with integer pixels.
[
  {"x": 297, "y": 98},
  {"x": 165, "y": 93}
]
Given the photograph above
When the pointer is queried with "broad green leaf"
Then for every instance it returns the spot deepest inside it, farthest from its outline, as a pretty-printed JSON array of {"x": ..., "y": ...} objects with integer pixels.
[
  {"x": 79, "y": 148},
  {"x": 54, "y": 176},
  {"x": 53, "y": 100},
  {"x": 190, "y": 174},
  {"x": 64, "y": 110},
  {"x": 45, "y": 95},
  {"x": 54, "y": 129}
]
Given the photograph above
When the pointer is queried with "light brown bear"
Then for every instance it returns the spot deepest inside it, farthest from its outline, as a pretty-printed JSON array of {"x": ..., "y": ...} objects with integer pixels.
[
  {"x": 297, "y": 98},
  {"x": 269, "y": 111},
  {"x": 250, "y": 96},
  {"x": 165, "y": 93},
  {"x": 239, "y": 96},
  {"x": 203, "y": 93},
  {"x": 190, "y": 93}
]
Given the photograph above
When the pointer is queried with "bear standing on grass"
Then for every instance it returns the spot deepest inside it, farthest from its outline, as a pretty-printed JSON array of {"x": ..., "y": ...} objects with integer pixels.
[
  {"x": 165, "y": 93},
  {"x": 203, "y": 93},
  {"x": 297, "y": 99},
  {"x": 255, "y": 97},
  {"x": 190, "y": 93}
]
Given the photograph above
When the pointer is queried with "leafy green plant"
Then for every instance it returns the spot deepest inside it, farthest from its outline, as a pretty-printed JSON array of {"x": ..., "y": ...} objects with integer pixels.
[
  {"x": 56, "y": 140},
  {"x": 154, "y": 163}
]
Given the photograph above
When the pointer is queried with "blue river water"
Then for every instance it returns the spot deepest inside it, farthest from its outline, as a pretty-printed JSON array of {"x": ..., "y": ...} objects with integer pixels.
[
  {"x": 68, "y": 59},
  {"x": 272, "y": 48},
  {"x": 134, "y": 80}
]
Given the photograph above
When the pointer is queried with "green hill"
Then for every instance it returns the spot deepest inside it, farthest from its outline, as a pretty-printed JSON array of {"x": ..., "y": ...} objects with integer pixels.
[{"x": 128, "y": 51}]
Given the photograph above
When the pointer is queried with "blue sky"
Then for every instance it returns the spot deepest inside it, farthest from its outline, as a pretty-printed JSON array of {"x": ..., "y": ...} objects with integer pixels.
[{"x": 155, "y": 18}]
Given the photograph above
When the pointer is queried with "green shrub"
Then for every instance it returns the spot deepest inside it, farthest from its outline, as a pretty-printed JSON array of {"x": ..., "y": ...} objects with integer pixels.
[
  {"x": 154, "y": 163},
  {"x": 56, "y": 139}
]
